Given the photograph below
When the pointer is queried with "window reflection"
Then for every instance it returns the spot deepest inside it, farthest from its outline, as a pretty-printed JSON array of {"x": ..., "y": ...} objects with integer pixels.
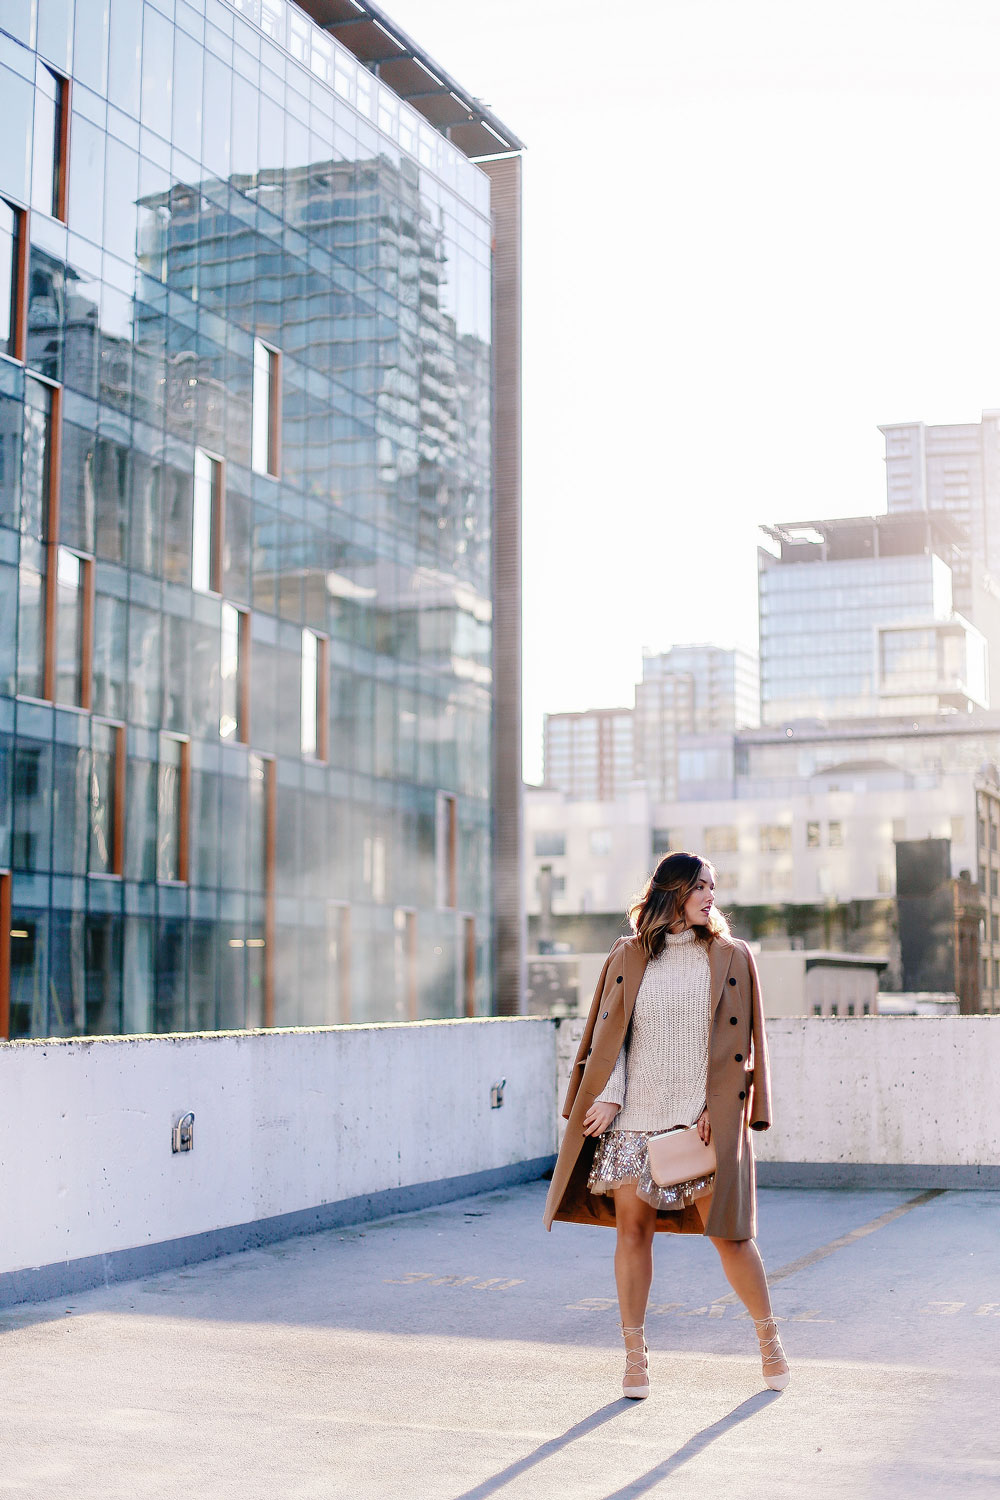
[
  {"x": 71, "y": 764},
  {"x": 46, "y": 174},
  {"x": 264, "y": 433},
  {"x": 46, "y": 313},
  {"x": 35, "y": 459},
  {"x": 371, "y": 275},
  {"x": 69, "y": 626},
  {"x": 169, "y": 809},
  {"x": 103, "y": 799},
  {"x": 31, "y": 620},
  {"x": 103, "y": 961},
  {"x": 230, "y": 672},
  {"x": 206, "y": 523},
  {"x": 28, "y": 945},
  {"x": 31, "y": 801},
  {"x": 140, "y": 815}
]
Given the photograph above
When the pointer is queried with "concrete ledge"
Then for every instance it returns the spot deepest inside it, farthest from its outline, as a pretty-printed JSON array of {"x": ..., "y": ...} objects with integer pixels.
[
  {"x": 37, "y": 1283},
  {"x": 891, "y": 1175}
]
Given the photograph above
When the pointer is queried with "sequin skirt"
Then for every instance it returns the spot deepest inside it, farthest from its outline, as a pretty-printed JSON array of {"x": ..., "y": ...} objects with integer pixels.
[{"x": 621, "y": 1157}]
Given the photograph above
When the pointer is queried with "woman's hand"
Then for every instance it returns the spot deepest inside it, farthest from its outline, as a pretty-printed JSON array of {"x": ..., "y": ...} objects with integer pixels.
[
  {"x": 704, "y": 1126},
  {"x": 599, "y": 1117}
]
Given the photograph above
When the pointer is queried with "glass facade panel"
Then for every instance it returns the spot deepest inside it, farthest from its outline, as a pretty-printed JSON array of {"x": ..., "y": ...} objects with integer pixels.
[
  {"x": 168, "y": 810},
  {"x": 108, "y": 695},
  {"x": 229, "y": 673},
  {"x": 29, "y": 930},
  {"x": 269, "y": 314},
  {"x": 31, "y": 620},
  {"x": 140, "y": 820},
  {"x": 35, "y": 459},
  {"x": 70, "y": 796},
  {"x": 32, "y": 805},
  {"x": 45, "y": 142},
  {"x": 69, "y": 626},
  {"x": 102, "y": 799},
  {"x": 264, "y": 377},
  {"x": 201, "y": 533}
]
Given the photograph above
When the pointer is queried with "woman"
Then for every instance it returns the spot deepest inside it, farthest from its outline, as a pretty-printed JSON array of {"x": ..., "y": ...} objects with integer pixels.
[{"x": 675, "y": 1036}]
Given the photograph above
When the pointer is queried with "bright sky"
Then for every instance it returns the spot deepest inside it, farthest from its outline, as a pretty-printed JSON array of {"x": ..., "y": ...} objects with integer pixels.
[{"x": 752, "y": 232}]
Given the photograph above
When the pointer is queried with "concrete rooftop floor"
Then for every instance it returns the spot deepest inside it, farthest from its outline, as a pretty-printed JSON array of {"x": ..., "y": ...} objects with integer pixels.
[{"x": 461, "y": 1352}]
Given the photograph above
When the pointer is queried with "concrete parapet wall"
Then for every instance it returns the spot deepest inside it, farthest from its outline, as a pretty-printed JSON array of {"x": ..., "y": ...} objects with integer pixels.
[
  {"x": 300, "y": 1130},
  {"x": 885, "y": 1091},
  {"x": 873, "y": 1100},
  {"x": 284, "y": 1121}
]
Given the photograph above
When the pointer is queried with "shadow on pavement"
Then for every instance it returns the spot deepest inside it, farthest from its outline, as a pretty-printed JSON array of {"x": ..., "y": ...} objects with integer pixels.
[
  {"x": 645, "y": 1482},
  {"x": 548, "y": 1449},
  {"x": 695, "y": 1445}
]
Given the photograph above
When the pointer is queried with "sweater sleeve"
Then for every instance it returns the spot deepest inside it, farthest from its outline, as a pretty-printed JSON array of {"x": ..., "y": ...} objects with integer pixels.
[{"x": 614, "y": 1090}]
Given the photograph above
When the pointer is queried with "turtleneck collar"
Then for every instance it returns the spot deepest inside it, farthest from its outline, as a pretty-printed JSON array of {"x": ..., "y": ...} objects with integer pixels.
[{"x": 674, "y": 939}]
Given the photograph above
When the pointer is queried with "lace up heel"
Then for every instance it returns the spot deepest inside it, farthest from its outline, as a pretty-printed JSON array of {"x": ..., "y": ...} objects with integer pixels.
[
  {"x": 771, "y": 1353},
  {"x": 636, "y": 1365}
]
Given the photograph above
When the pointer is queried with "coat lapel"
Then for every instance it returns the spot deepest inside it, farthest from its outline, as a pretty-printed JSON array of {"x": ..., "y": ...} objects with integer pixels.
[
  {"x": 634, "y": 962},
  {"x": 719, "y": 959}
]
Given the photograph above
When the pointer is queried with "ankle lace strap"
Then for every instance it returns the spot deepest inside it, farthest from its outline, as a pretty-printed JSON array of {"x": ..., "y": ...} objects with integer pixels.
[
  {"x": 635, "y": 1359},
  {"x": 770, "y": 1346}
]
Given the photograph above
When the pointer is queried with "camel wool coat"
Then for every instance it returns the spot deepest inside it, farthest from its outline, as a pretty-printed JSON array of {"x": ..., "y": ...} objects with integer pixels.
[{"x": 739, "y": 1092}]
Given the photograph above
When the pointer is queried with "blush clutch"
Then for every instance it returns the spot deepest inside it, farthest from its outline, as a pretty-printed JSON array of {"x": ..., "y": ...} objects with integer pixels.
[{"x": 679, "y": 1155}]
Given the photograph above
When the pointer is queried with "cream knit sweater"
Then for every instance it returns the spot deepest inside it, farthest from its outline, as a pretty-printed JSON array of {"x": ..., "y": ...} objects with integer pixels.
[{"x": 661, "y": 1075}]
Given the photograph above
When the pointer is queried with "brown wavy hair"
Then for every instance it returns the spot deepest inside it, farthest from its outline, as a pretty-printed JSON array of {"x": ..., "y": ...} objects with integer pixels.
[{"x": 661, "y": 903}]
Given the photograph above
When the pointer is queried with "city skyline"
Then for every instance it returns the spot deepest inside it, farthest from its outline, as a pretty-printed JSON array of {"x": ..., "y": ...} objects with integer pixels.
[{"x": 738, "y": 370}]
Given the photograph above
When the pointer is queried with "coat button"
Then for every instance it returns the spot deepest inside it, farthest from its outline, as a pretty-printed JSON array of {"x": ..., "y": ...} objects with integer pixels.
[
  {"x": 732, "y": 1020},
  {"x": 739, "y": 1057},
  {"x": 618, "y": 980},
  {"x": 742, "y": 1093},
  {"x": 605, "y": 1016}
]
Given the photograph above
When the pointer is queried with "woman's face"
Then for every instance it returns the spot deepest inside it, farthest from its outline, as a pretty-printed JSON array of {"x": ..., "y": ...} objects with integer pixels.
[{"x": 698, "y": 906}]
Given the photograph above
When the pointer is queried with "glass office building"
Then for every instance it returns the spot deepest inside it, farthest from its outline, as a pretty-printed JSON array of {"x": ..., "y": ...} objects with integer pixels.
[
  {"x": 857, "y": 618},
  {"x": 247, "y": 452}
]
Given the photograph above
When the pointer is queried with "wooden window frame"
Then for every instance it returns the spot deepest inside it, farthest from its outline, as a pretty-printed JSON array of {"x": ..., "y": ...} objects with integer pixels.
[
  {"x": 274, "y": 412},
  {"x": 62, "y": 153},
  {"x": 469, "y": 965},
  {"x": 87, "y": 632},
  {"x": 451, "y": 850},
  {"x": 19, "y": 283}
]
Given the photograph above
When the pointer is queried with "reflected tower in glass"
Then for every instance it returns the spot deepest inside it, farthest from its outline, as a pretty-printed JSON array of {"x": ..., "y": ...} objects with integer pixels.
[{"x": 252, "y": 480}]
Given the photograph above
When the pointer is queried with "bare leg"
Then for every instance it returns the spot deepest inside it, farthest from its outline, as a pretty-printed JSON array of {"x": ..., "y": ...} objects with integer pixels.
[
  {"x": 744, "y": 1270},
  {"x": 636, "y": 1222}
]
